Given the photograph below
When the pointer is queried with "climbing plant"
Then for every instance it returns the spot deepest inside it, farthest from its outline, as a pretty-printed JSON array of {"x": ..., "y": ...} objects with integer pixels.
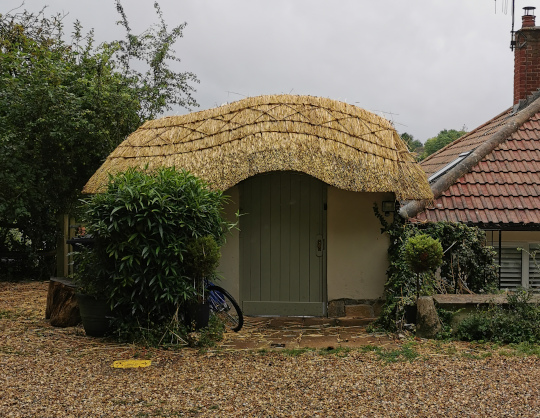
[{"x": 468, "y": 264}]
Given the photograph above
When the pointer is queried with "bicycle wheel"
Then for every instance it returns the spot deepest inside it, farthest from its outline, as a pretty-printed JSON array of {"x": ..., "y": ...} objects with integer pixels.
[{"x": 225, "y": 307}]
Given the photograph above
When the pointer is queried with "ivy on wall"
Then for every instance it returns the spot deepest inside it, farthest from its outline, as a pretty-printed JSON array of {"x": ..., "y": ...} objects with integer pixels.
[{"x": 468, "y": 264}]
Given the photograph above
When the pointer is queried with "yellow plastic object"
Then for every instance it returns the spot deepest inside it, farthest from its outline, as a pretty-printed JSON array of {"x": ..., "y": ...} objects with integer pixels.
[{"x": 127, "y": 364}]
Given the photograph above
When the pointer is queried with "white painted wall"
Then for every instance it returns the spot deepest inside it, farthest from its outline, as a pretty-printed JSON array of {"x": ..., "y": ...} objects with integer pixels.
[{"x": 357, "y": 256}]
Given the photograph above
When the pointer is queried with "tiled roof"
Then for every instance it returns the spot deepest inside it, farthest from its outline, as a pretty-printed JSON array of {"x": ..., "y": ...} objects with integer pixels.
[
  {"x": 503, "y": 189},
  {"x": 467, "y": 142}
]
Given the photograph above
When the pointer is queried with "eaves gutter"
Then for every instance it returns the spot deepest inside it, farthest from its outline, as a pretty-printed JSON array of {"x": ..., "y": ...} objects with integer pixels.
[{"x": 413, "y": 208}]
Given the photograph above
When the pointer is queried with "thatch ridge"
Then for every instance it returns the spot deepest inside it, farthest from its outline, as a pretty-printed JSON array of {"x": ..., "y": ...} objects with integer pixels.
[{"x": 340, "y": 144}]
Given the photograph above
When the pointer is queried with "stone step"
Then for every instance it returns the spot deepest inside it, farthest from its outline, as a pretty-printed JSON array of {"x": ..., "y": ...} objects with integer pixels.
[
  {"x": 359, "y": 311},
  {"x": 354, "y": 322}
]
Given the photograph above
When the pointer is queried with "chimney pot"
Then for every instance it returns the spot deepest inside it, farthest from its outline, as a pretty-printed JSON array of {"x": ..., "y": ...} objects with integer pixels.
[
  {"x": 528, "y": 19},
  {"x": 526, "y": 57}
]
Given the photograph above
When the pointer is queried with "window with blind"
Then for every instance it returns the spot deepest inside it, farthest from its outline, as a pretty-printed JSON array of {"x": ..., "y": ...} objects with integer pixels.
[
  {"x": 511, "y": 263},
  {"x": 534, "y": 266},
  {"x": 520, "y": 268}
]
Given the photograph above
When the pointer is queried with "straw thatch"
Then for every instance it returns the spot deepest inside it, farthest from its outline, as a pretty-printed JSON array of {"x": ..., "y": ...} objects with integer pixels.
[{"x": 342, "y": 145}]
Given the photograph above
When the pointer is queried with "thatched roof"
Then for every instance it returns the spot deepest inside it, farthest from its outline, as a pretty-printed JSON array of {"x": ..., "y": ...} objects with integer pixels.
[{"x": 340, "y": 144}]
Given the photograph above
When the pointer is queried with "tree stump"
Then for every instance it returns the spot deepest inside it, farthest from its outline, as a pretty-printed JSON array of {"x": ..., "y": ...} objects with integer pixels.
[
  {"x": 427, "y": 320},
  {"x": 62, "y": 308}
]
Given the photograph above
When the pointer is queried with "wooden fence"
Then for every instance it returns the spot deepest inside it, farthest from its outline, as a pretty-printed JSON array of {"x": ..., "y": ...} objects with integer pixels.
[{"x": 64, "y": 260}]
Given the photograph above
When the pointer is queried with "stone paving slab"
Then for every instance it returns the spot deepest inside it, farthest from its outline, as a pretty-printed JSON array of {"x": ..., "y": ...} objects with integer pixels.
[
  {"x": 296, "y": 332},
  {"x": 320, "y": 341}
]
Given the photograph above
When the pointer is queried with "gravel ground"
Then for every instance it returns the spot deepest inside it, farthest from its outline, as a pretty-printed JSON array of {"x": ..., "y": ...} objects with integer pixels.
[{"x": 53, "y": 372}]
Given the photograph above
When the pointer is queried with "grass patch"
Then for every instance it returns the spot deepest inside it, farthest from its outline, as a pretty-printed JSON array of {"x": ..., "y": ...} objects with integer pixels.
[
  {"x": 405, "y": 353},
  {"x": 212, "y": 334},
  {"x": 368, "y": 348},
  {"x": 520, "y": 350},
  {"x": 527, "y": 349},
  {"x": 451, "y": 350}
]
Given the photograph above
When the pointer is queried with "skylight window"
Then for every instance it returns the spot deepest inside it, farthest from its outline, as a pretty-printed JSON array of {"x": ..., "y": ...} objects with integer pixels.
[{"x": 448, "y": 167}]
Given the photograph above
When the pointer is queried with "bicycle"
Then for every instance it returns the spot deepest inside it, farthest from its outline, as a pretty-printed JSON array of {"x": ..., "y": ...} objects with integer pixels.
[{"x": 223, "y": 305}]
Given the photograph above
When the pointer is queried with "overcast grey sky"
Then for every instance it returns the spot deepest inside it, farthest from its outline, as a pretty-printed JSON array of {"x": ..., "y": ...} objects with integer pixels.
[{"x": 426, "y": 65}]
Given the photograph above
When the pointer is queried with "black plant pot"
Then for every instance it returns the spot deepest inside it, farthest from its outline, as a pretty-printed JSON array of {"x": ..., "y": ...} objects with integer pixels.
[
  {"x": 198, "y": 315},
  {"x": 95, "y": 314},
  {"x": 410, "y": 314}
]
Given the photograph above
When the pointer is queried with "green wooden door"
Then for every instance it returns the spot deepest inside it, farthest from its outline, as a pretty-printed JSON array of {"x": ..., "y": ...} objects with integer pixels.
[{"x": 282, "y": 245}]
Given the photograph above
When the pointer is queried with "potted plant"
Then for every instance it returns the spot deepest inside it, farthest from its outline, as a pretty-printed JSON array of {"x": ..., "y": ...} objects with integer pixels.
[
  {"x": 423, "y": 254},
  {"x": 90, "y": 278},
  {"x": 201, "y": 260},
  {"x": 142, "y": 223}
]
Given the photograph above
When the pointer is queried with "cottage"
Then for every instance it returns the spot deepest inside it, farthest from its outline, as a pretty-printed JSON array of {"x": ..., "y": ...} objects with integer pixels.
[
  {"x": 304, "y": 173},
  {"x": 490, "y": 177}
]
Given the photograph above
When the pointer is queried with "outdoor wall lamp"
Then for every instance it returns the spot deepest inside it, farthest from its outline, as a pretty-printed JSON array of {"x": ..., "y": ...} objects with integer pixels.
[{"x": 388, "y": 206}]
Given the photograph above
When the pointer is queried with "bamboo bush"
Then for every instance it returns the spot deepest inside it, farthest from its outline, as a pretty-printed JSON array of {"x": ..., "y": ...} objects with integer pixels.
[{"x": 145, "y": 225}]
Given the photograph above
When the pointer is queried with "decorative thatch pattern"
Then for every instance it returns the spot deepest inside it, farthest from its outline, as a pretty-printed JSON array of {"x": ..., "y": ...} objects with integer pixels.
[{"x": 340, "y": 144}]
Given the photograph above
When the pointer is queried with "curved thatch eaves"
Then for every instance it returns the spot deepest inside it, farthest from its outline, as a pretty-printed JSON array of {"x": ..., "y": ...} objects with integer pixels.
[{"x": 342, "y": 145}]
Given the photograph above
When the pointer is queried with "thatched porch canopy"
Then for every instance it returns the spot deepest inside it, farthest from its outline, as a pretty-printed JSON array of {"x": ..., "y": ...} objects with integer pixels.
[{"x": 340, "y": 144}]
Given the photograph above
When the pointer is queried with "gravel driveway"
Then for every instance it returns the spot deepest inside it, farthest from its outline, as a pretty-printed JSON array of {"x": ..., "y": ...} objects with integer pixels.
[{"x": 54, "y": 372}]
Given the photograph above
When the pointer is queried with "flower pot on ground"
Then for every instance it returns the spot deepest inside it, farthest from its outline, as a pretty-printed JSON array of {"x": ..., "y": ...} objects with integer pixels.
[
  {"x": 410, "y": 314},
  {"x": 95, "y": 314},
  {"x": 91, "y": 280},
  {"x": 198, "y": 315},
  {"x": 200, "y": 260}
]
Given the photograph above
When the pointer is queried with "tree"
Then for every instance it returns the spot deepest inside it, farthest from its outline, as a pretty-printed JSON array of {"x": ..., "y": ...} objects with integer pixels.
[
  {"x": 444, "y": 138},
  {"x": 64, "y": 106},
  {"x": 412, "y": 144}
]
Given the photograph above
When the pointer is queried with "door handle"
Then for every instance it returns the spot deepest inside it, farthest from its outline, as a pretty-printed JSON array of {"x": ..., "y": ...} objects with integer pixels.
[{"x": 320, "y": 245}]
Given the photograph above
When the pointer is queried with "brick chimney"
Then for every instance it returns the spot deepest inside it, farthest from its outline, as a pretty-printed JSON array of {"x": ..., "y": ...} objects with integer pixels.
[{"x": 527, "y": 57}]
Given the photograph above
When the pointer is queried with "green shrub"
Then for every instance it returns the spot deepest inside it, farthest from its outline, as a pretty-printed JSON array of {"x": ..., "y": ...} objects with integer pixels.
[
  {"x": 423, "y": 253},
  {"x": 202, "y": 257},
  {"x": 90, "y": 274},
  {"x": 146, "y": 225},
  {"x": 467, "y": 264},
  {"x": 519, "y": 322},
  {"x": 212, "y": 334},
  {"x": 201, "y": 260},
  {"x": 446, "y": 317}
]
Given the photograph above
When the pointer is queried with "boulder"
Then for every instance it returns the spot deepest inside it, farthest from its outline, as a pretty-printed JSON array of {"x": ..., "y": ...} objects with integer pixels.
[{"x": 428, "y": 324}]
